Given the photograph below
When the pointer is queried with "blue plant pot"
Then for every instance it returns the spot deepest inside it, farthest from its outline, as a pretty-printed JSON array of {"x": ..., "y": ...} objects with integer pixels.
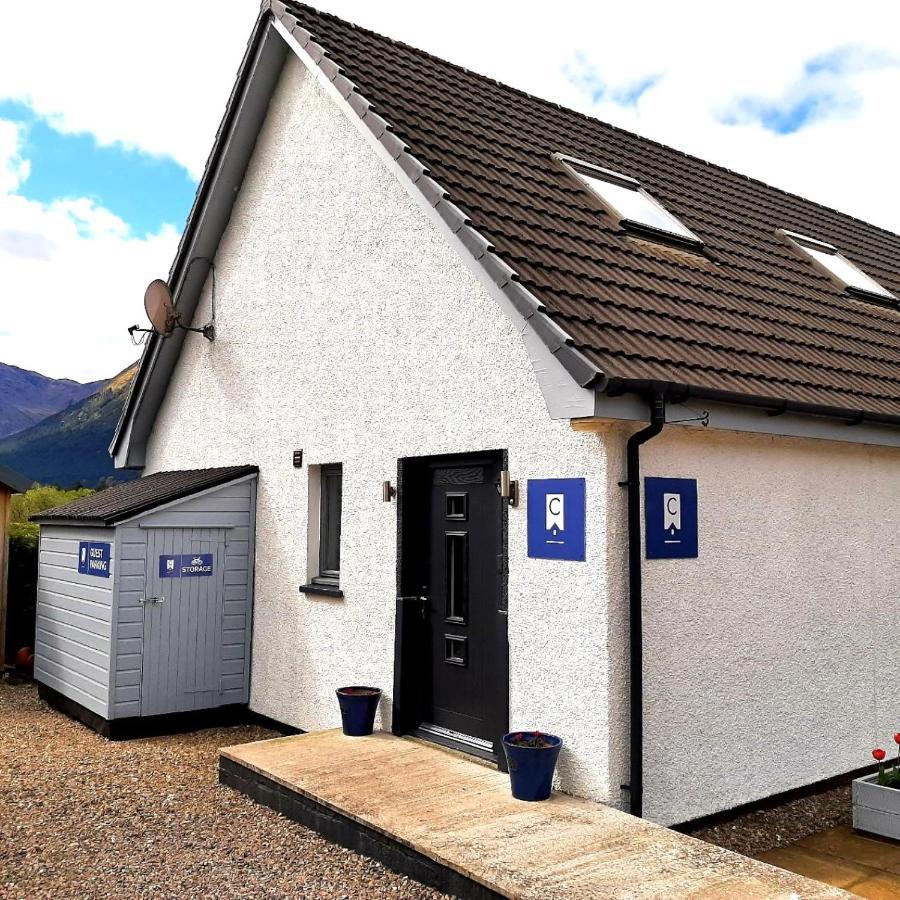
[
  {"x": 531, "y": 768},
  {"x": 358, "y": 707}
]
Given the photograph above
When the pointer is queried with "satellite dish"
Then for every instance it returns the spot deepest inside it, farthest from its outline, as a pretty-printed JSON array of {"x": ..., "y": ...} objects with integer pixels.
[
  {"x": 160, "y": 308},
  {"x": 161, "y": 312}
]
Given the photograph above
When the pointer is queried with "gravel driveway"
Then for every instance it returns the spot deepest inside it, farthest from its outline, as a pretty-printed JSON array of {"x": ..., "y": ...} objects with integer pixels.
[{"x": 84, "y": 817}]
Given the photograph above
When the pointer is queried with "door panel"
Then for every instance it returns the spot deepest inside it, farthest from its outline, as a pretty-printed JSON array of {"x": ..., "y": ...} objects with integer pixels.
[
  {"x": 454, "y": 547},
  {"x": 181, "y": 663}
]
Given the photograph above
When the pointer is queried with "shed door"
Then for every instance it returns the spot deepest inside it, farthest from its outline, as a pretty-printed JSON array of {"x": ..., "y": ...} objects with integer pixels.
[{"x": 183, "y": 610}]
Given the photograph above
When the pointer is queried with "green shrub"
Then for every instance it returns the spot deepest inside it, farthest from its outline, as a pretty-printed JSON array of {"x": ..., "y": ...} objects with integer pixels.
[
  {"x": 22, "y": 601},
  {"x": 24, "y": 532},
  {"x": 23, "y": 560}
]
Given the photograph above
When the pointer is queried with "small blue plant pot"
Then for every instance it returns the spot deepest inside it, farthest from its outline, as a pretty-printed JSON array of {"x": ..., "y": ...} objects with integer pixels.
[
  {"x": 358, "y": 707},
  {"x": 531, "y": 768}
]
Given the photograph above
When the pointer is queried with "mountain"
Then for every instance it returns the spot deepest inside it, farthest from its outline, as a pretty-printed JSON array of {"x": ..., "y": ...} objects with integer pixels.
[
  {"x": 70, "y": 447},
  {"x": 27, "y": 397}
]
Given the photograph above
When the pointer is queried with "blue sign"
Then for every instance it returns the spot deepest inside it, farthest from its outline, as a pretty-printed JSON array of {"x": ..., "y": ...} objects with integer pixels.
[
  {"x": 670, "y": 518},
  {"x": 185, "y": 565},
  {"x": 93, "y": 558},
  {"x": 194, "y": 565},
  {"x": 556, "y": 512}
]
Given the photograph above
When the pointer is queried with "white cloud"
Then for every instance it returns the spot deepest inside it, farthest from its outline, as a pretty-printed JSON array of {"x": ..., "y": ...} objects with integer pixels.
[
  {"x": 153, "y": 76},
  {"x": 72, "y": 281}
]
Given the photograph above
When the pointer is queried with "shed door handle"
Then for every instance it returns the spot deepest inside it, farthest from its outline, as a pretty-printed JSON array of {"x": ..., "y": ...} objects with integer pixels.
[{"x": 153, "y": 599}]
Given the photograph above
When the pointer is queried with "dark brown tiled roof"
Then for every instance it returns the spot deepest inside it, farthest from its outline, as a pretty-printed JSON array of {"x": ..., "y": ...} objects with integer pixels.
[
  {"x": 747, "y": 316},
  {"x": 122, "y": 501}
]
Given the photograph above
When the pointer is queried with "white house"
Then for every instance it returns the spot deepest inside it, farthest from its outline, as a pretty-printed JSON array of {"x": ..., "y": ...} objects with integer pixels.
[{"x": 427, "y": 278}]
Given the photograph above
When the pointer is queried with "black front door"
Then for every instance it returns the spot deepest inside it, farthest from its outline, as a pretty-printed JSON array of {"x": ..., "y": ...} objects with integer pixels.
[{"x": 454, "y": 555}]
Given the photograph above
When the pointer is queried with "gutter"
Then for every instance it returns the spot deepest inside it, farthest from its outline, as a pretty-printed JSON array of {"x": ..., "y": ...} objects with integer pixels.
[
  {"x": 680, "y": 393},
  {"x": 635, "y": 785}
]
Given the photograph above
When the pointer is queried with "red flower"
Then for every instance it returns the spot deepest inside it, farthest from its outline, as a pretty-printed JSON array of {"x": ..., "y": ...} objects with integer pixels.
[
  {"x": 879, "y": 754},
  {"x": 897, "y": 737}
]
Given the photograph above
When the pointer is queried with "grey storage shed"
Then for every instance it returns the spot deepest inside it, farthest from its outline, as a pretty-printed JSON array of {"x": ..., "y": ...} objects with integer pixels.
[{"x": 145, "y": 595}]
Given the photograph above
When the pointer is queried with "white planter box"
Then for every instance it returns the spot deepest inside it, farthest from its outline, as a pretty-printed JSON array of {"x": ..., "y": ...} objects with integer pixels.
[{"x": 876, "y": 809}]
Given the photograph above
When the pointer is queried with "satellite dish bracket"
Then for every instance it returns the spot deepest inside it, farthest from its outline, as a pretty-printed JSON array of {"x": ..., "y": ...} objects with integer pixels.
[{"x": 208, "y": 330}]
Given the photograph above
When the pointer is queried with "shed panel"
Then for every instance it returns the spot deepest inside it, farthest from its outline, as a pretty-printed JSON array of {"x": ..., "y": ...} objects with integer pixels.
[
  {"x": 73, "y": 626},
  {"x": 126, "y": 698}
]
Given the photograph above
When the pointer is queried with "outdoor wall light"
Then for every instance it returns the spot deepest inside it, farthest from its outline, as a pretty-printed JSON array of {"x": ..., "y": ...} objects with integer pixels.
[
  {"x": 388, "y": 491},
  {"x": 508, "y": 488}
]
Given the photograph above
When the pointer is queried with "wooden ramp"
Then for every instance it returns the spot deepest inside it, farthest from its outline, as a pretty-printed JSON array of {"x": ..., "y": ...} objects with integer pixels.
[{"x": 452, "y": 823}]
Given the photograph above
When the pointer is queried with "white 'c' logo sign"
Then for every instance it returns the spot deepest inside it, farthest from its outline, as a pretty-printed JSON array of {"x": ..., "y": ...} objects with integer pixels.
[
  {"x": 556, "y": 512},
  {"x": 672, "y": 512}
]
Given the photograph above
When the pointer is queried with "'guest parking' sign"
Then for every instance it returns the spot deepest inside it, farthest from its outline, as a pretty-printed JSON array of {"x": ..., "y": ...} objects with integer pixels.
[{"x": 93, "y": 559}]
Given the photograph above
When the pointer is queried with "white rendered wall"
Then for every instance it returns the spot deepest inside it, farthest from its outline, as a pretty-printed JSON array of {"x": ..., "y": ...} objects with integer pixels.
[
  {"x": 348, "y": 327},
  {"x": 770, "y": 661}
]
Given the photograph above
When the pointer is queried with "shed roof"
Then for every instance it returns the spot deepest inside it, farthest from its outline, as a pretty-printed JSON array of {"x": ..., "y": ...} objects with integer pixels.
[
  {"x": 14, "y": 481},
  {"x": 123, "y": 501},
  {"x": 746, "y": 316}
]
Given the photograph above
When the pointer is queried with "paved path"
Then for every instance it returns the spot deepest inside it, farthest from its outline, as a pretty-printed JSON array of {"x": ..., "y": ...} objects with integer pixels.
[
  {"x": 866, "y": 866},
  {"x": 462, "y": 815}
]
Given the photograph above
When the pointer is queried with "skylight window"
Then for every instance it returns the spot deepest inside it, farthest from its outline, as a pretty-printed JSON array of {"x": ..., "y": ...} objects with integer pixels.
[
  {"x": 633, "y": 207},
  {"x": 828, "y": 259}
]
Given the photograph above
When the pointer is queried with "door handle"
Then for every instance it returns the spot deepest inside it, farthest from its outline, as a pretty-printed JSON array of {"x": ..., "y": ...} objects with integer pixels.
[{"x": 153, "y": 599}]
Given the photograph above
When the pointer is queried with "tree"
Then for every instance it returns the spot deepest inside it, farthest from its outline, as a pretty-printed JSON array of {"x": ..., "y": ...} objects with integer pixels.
[{"x": 37, "y": 499}]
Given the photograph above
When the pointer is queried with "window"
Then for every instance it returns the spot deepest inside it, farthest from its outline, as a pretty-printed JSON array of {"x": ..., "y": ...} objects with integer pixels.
[
  {"x": 633, "y": 207},
  {"x": 329, "y": 526},
  {"x": 828, "y": 259},
  {"x": 457, "y": 587}
]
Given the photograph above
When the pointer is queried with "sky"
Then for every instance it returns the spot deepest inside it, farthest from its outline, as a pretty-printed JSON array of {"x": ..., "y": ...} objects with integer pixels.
[{"x": 108, "y": 111}]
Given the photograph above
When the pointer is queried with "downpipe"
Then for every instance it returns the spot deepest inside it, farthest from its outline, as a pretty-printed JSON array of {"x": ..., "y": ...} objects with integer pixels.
[{"x": 635, "y": 786}]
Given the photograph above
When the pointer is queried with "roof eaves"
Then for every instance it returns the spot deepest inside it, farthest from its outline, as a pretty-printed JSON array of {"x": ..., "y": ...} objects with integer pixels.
[
  {"x": 585, "y": 373},
  {"x": 92, "y": 521}
]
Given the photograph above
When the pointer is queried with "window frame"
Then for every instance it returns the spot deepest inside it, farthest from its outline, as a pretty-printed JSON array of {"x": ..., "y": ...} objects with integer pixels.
[
  {"x": 329, "y": 515},
  {"x": 582, "y": 171},
  {"x": 802, "y": 244}
]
